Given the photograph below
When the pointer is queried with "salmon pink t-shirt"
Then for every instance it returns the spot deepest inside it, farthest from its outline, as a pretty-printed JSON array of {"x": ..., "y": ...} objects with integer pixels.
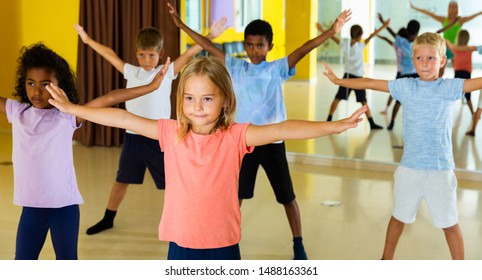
[{"x": 201, "y": 208}]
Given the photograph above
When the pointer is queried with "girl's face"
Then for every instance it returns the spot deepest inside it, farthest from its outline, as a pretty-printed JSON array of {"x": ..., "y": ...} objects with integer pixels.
[
  {"x": 36, "y": 81},
  {"x": 202, "y": 104},
  {"x": 257, "y": 48},
  {"x": 148, "y": 58},
  {"x": 453, "y": 10},
  {"x": 427, "y": 62}
]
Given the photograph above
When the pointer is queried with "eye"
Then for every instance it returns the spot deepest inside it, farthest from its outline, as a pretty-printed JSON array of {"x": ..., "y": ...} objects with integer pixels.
[
  {"x": 44, "y": 85},
  {"x": 30, "y": 84},
  {"x": 249, "y": 46},
  {"x": 188, "y": 98},
  {"x": 208, "y": 99}
]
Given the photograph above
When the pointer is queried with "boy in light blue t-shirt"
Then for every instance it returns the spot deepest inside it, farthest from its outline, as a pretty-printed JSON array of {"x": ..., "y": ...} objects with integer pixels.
[
  {"x": 426, "y": 169},
  {"x": 260, "y": 101}
]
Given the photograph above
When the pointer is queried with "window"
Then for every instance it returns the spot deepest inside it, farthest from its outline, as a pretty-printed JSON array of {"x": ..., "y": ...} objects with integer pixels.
[
  {"x": 246, "y": 11},
  {"x": 193, "y": 15}
]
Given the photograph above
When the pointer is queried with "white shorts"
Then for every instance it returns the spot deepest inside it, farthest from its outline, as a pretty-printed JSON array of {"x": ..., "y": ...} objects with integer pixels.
[{"x": 437, "y": 187}]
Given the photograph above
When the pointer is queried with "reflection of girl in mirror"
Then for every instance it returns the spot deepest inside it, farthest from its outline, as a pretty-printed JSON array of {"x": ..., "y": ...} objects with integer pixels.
[{"x": 453, "y": 18}]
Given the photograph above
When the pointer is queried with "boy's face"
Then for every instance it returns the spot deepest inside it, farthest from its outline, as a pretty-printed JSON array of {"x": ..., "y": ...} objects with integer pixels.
[
  {"x": 148, "y": 58},
  {"x": 427, "y": 62},
  {"x": 257, "y": 48}
]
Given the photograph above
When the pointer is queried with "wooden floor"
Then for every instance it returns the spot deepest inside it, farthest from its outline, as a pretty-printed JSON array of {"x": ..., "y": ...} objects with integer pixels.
[{"x": 353, "y": 230}]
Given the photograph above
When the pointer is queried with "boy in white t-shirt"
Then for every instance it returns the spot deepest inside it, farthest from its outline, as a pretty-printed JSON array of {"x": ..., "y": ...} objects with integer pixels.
[
  {"x": 354, "y": 68},
  {"x": 139, "y": 152}
]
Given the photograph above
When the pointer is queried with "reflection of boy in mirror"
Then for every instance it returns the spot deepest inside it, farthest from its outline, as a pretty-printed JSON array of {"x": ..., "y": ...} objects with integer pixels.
[
  {"x": 354, "y": 68},
  {"x": 426, "y": 171}
]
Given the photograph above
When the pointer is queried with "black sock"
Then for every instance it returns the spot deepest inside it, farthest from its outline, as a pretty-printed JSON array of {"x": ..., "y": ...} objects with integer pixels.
[
  {"x": 373, "y": 125},
  {"x": 106, "y": 223},
  {"x": 299, "y": 249},
  {"x": 329, "y": 118}
]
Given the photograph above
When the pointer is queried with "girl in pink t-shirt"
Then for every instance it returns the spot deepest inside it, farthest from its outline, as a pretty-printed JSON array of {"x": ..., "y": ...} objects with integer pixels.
[
  {"x": 203, "y": 152},
  {"x": 462, "y": 60},
  {"x": 44, "y": 175}
]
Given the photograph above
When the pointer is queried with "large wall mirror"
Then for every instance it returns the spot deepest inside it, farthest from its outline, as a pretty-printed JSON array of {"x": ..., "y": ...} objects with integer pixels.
[{"x": 383, "y": 145}]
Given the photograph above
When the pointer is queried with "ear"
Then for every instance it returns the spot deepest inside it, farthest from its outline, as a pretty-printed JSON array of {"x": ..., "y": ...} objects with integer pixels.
[
  {"x": 443, "y": 61},
  {"x": 161, "y": 53},
  {"x": 270, "y": 47}
]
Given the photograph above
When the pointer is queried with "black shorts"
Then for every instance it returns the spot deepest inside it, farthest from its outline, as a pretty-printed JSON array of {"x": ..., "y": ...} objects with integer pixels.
[
  {"x": 272, "y": 158},
  {"x": 139, "y": 152},
  {"x": 463, "y": 75},
  {"x": 343, "y": 92}
]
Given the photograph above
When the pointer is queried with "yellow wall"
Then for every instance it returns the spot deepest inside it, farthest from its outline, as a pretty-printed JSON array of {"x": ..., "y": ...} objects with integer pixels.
[
  {"x": 25, "y": 22},
  {"x": 51, "y": 21},
  {"x": 10, "y": 25}
]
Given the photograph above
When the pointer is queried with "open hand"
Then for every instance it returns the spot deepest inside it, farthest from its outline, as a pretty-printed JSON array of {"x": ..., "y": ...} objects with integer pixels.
[
  {"x": 156, "y": 82},
  {"x": 329, "y": 73},
  {"x": 218, "y": 27},
  {"x": 341, "y": 19},
  {"x": 175, "y": 16},
  {"x": 59, "y": 98},
  {"x": 83, "y": 35}
]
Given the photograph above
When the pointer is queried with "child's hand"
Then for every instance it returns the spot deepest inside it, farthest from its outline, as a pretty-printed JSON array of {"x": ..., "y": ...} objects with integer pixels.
[
  {"x": 380, "y": 18},
  {"x": 83, "y": 35},
  {"x": 59, "y": 98},
  {"x": 175, "y": 16},
  {"x": 218, "y": 27},
  {"x": 329, "y": 73},
  {"x": 343, "y": 18},
  {"x": 156, "y": 82},
  {"x": 353, "y": 120}
]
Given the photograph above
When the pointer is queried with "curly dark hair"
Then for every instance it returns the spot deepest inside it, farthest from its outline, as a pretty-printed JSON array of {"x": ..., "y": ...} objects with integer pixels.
[
  {"x": 40, "y": 56},
  {"x": 259, "y": 27}
]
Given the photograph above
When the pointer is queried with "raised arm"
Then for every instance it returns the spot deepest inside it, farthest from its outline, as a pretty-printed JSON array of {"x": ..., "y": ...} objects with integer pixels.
[
  {"x": 393, "y": 33},
  {"x": 359, "y": 83},
  {"x": 321, "y": 29},
  {"x": 428, "y": 13},
  {"x": 204, "y": 42},
  {"x": 300, "y": 52},
  {"x": 106, "y": 116},
  {"x": 453, "y": 47},
  {"x": 217, "y": 28},
  {"x": 467, "y": 18},
  {"x": 295, "y": 129},
  {"x": 375, "y": 33},
  {"x": 104, "y": 51}
]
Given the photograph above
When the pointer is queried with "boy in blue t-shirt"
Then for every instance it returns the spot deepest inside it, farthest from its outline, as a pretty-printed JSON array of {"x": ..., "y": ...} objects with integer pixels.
[
  {"x": 426, "y": 169},
  {"x": 259, "y": 97}
]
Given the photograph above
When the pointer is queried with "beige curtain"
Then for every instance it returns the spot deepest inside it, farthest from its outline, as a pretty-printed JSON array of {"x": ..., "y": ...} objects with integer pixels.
[{"x": 114, "y": 23}]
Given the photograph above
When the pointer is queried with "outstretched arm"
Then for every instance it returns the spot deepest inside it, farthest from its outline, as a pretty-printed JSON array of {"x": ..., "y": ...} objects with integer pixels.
[
  {"x": 428, "y": 13},
  {"x": 472, "y": 84},
  {"x": 104, "y": 51},
  {"x": 117, "y": 96},
  {"x": 295, "y": 129},
  {"x": 204, "y": 42},
  {"x": 453, "y": 47},
  {"x": 443, "y": 29},
  {"x": 106, "y": 116},
  {"x": 217, "y": 28},
  {"x": 359, "y": 83},
  {"x": 300, "y": 52},
  {"x": 390, "y": 42},
  {"x": 321, "y": 29},
  {"x": 465, "y": 19},
  {"x": 375, "y": 33}
]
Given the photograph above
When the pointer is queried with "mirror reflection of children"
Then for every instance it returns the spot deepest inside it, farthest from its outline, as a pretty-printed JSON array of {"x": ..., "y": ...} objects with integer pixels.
[
  {"x": 203, "y": 151},
  {"x": 426, "y": 171}
]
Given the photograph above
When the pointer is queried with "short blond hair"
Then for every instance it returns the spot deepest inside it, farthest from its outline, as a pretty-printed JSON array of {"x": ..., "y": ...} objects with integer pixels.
[{"x": 430, "y": 39}]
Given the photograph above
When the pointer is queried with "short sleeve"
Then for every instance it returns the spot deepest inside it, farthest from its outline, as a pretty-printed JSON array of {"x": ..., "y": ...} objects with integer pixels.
[{"x": 12, "y": 109}]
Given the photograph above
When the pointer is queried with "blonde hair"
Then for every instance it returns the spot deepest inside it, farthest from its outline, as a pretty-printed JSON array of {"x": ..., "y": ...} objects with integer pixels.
[
  {"x": 430, "y": 39},
  {"x": 215, "y": 70}
]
